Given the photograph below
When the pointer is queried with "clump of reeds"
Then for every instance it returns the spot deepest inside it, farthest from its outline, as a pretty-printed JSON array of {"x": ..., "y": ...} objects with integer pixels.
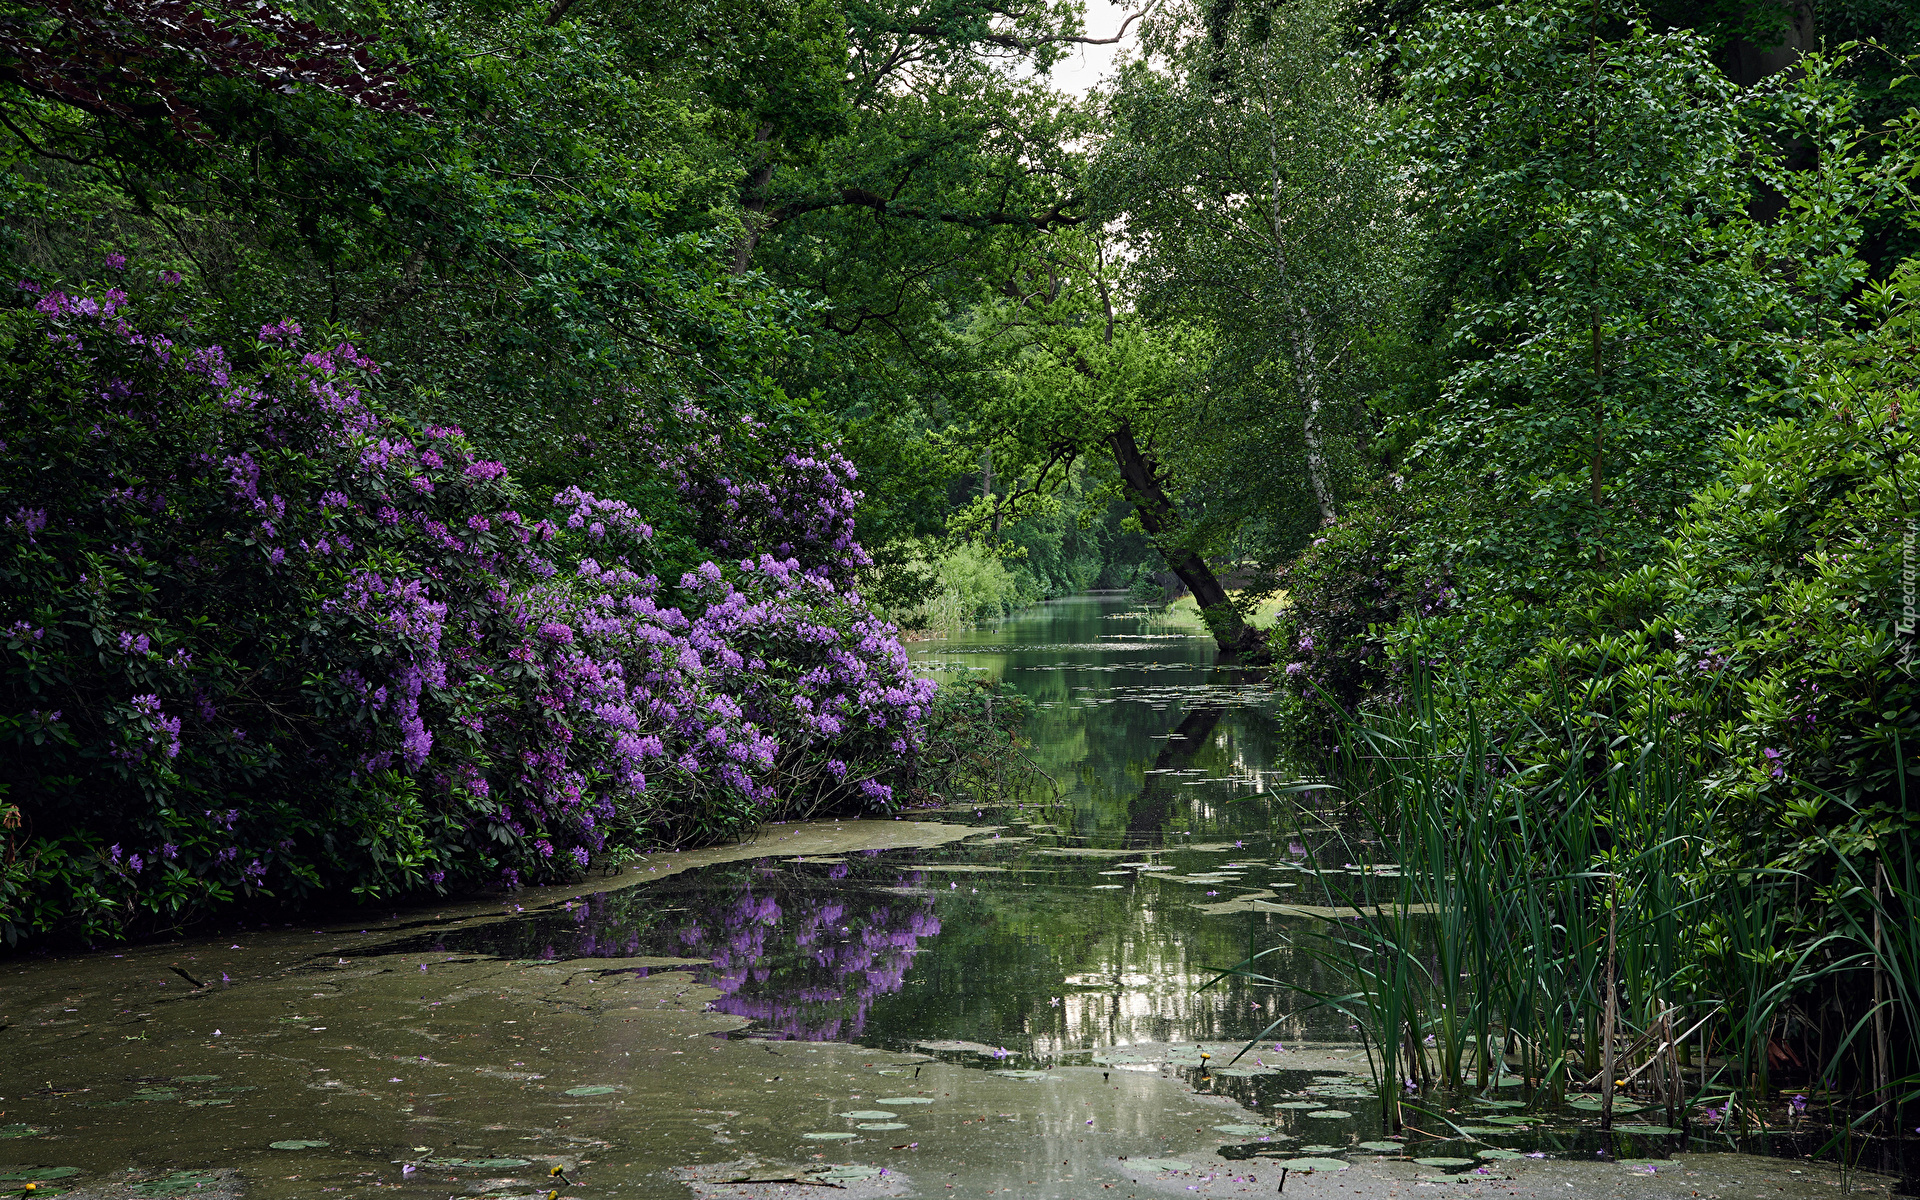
[{"x": 1588, "y": 925}]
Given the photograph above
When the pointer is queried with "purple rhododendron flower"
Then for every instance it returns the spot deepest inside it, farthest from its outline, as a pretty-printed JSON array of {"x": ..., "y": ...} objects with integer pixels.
[{"x": 514, "y": 684}]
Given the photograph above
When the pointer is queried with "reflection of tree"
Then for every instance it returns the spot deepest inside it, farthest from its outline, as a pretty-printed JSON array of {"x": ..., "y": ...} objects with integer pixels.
[
  {"x": 1101, "y": 701},
  {"x": 1147, "y": 815}
]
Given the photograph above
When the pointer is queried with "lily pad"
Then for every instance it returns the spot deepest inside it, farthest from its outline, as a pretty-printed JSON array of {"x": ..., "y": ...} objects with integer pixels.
[
  {"x": 1647, "y": 1130},
  {"x": 1482, "y": 1130},
  {"x": 592, "y": 1089},
  {"x": 1158, "y": 1164},
  {"x": 1500, "y": 1103},
  {"x": 1443, "y": 1162},
  {"x": 881, "y": 1125},
  {"x": 903, "y": 1100},
  {"x": 295, "y": 1144},
  {"x": 846, "y": 1173},
  {"x": 36, "y": 1174},
  {"x": 1333, "y": 1079},
  {"x": 1314, "y": 1164},
  {"x": 1509, "y": 1121},
  {"x": 828, "y": 1137},
  {"x": 481, "y": 1164},
  {"x": 1495, "y": 1154},
  {"x": 1594, "y": 1106},
  {"x": 869, "y": 1114},
  {"x": 14, "y": 1131},
  {"x": 1310, "y": 1151},
  {"x": 1245, "y": 1072},
  {"x": 1381, "y": 1147},
  {"x": 1298, "y": 1104},
  {"x": 180, "y": 1183},
  {"x": 1243, "y": 1130},
  {"x": 1330, "y": 1114}
]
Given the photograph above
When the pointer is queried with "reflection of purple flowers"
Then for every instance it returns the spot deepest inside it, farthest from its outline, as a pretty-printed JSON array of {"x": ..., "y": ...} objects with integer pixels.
[
  {"x": 827, "y": 960},
  {"x": 809, "y": 967}
]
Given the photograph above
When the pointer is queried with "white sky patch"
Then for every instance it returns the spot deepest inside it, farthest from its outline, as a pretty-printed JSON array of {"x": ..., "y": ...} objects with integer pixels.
[{"x": 1085, "y": 66}]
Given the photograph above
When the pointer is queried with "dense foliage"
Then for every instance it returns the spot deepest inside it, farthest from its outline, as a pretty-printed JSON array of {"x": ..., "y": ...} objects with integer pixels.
[{"x": 265, "y": 639}]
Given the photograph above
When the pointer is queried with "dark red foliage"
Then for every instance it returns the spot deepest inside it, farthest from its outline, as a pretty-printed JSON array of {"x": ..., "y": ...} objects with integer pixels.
[{"x": 128, "y": 59}]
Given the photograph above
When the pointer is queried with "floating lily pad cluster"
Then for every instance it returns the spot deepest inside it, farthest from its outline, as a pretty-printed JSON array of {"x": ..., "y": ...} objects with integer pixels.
[
  {"x": 1593, "y": 1104},
  {"x": 179, "y": 1183},
  {"x": 843, "y": 1173},
  {"x": 882, "y": 1120},
  {"x": 190, "y": 1090},
  {"x": 1312, "y": 1164},
  {"x": 36, "y": 1174},
  {"x": 46, "y": 1181}
]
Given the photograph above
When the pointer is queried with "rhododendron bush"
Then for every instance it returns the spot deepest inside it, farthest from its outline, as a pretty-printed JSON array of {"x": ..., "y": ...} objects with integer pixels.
[{"x": 258, "y": 637}]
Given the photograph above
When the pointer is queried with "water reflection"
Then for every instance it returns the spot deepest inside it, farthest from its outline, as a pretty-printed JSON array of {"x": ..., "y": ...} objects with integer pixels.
[
  {"x": 810, "y": 969},
  {"x": 1047, "y": 938}
]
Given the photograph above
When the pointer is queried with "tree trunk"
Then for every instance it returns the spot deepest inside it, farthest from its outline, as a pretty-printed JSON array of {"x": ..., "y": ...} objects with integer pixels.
[
  {"x": 1307, "y": 376},
  {"x": 753, "y": 202},
  {"x": 1306, "y": 367},
  {"x": 1147, "y": 812},
  {"x": 1155, "y": 510}
]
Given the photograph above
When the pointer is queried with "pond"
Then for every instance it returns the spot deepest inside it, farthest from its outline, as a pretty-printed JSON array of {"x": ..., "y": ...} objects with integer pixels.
[{"x": 1022, "y": 999}]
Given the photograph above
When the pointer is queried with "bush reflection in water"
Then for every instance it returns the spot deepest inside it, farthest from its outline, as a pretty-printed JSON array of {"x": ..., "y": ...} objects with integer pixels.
[
  {"x": 809, "y": 967},
  {"x": 804, "y": 962}
]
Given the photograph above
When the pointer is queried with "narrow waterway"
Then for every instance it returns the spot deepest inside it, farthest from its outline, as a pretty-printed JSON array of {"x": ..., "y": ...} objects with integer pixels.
[{"x": 1020, "y": 1000}]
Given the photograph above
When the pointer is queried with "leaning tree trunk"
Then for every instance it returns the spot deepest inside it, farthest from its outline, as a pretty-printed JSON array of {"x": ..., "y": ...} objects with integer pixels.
[{"x": 1155, "y": 510}]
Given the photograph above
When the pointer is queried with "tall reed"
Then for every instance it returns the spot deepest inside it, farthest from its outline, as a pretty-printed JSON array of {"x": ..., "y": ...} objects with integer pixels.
[{"x": 1581, "y": 924}]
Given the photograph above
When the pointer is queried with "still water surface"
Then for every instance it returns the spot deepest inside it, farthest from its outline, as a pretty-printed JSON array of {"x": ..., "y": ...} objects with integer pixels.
[{"x": 1090, "y": 921}]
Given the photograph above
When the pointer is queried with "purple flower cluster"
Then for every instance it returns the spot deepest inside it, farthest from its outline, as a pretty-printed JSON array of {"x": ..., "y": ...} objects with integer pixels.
[{"x": 353, "y": 624}]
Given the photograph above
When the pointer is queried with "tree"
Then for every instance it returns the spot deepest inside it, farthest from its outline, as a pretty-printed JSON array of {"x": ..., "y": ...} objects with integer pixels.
[
  {"x": 528, "y": 241},
  {"x": 1251, "y": 186},
  {"x": 1086, "y": 379},
  {"x": 1616, "y": 294}
]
